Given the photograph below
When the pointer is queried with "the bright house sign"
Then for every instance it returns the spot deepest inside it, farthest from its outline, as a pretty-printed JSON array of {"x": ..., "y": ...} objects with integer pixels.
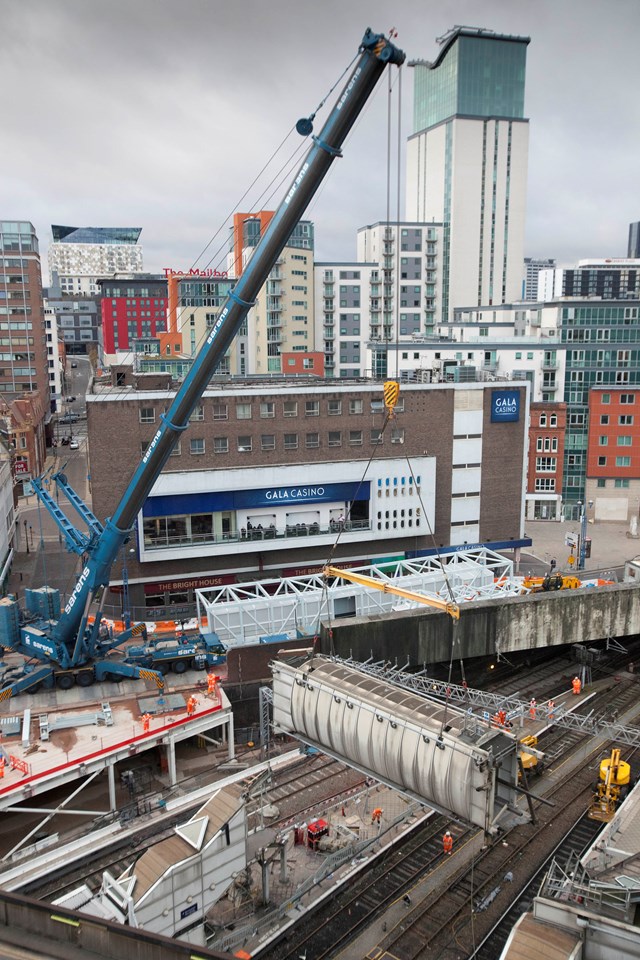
[{"x": 505, "y": 406}]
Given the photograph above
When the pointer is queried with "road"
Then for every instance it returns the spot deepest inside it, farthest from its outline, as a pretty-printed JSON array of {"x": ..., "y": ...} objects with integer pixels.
[{"x": 41, "y": 556}]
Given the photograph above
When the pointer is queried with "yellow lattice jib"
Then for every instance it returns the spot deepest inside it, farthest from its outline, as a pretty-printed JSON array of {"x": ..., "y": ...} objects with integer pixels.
[{"x": 391, "y": 393}]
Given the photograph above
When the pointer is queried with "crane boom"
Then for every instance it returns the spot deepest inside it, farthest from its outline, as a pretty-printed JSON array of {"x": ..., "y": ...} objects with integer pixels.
[
  {"x": 451, "y": 608},
  {"x": 71, "y": 638}
]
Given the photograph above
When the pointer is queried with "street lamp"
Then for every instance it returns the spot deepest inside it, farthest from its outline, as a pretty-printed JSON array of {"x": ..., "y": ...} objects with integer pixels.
[{"x": 582, "y": 550}]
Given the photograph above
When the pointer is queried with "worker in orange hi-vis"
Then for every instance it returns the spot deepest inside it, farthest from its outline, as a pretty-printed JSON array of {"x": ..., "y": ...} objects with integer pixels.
[
  {"x": 191, "y": 706},
  {"x": 551, "y": 709},
  {"x": 212, "y": 680},
  {"x": 447, "y": 843},
  {"x": 146, "y": 722},
  {"x": 1, "y": 767},
  {"x": 532, "y": 708},
  {"x": 576, "y": 683},
  {"x": 376, "y": 815}
]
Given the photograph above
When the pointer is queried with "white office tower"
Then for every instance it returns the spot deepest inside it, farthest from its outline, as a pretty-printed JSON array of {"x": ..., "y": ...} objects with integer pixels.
[
  {"x": 467, "y": 163},
  {"x": 83, "y": 255}
]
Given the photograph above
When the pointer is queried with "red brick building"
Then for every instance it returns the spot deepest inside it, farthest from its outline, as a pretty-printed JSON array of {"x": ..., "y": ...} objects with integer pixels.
[
  {"x": 613, "y": 452},
  {"x": 546, "y": 459}
]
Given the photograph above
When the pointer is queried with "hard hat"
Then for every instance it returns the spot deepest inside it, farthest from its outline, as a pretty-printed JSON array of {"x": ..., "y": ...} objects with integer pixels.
[{"x": 447, "y": 834}]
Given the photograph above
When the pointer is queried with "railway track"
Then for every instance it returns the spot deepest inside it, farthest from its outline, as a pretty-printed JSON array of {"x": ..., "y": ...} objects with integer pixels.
[{"x": 314, "y": 780}]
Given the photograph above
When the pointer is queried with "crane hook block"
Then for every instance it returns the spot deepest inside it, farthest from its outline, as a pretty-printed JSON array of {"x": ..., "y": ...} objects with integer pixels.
[
  {"x": 391, "y": 394},
  {"x": 304, "y": 126}
]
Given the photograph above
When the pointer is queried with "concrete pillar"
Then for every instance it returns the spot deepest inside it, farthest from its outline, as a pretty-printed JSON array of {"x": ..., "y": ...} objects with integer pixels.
[
  {"x": 265, "y": 881},
  {"x": 171, "y": 759},
  {"x": 283, "y": 862},
  {"x": 230, "y": 734},
  {"x": 111, "y": 773}
]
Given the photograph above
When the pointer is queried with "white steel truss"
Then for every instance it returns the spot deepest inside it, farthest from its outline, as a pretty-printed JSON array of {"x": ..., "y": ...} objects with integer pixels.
[{"x": 294, "y": 606}]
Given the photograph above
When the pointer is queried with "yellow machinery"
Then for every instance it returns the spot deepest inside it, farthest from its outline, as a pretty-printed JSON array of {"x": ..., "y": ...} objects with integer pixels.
[
  {"x": 451, "y": 608},
  {"x": 615, "y": 775},
  {"x": 531, "y": 762},
  {"x": 553, "y": 581}
]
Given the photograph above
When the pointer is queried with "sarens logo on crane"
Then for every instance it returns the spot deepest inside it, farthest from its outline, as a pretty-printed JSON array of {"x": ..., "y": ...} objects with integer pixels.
[{"x": 78, "y": 587}]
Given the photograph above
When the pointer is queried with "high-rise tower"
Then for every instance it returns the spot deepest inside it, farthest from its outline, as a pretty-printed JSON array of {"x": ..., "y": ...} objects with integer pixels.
[{"x": 467, "y": 163}]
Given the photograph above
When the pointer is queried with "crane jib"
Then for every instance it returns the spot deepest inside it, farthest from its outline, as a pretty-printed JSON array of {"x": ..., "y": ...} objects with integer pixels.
[{"x": 376, "y": 52}]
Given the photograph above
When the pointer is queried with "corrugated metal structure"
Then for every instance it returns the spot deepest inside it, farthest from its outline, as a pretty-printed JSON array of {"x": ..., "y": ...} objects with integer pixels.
[{"x": 433, "y": 752}]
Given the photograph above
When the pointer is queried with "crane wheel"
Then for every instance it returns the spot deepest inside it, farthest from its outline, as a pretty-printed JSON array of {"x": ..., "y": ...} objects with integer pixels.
[
  {"x": 179, "y": 666},
  {"x": 85, "y": 678},
  {"x": 35, "y": 688},
  {"x": 64, "y": 681}
]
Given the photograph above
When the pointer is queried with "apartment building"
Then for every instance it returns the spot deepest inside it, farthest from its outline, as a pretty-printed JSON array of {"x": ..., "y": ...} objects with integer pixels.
[{"x": 80, "y": 256}]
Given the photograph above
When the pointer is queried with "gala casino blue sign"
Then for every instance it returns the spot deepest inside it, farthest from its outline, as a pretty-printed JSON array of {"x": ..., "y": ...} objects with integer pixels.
[{"x": 505, "y": 406}]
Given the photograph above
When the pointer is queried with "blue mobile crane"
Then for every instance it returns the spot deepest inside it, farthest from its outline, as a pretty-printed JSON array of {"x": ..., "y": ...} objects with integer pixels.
[{"x": 66, "y": 647}]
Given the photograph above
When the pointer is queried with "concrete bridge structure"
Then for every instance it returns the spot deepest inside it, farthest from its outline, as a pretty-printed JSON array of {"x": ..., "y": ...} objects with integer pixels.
[{"x": 489, "y": 627}]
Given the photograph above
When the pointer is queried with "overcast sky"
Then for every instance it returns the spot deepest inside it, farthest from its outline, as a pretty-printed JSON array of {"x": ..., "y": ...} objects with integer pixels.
[{"x": 160, "y": 114}]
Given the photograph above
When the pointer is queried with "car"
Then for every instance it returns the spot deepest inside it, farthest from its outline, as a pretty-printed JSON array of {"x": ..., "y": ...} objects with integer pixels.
[
  {"x": 74, "y": 445},
  {"x": 74, "y": 365},
  {"x": 69, "y": 418},
  {"x": 69, "y": 399}
]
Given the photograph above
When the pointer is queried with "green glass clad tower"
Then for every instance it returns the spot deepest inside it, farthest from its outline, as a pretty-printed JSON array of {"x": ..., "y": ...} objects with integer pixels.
[{"x": 467, "y": 163}]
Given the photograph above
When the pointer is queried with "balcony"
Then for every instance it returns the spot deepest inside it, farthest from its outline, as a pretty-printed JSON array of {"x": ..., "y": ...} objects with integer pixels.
[{"x": 166, "y": 541}]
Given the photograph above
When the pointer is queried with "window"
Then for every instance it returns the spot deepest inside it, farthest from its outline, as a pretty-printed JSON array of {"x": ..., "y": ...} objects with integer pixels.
[
  {"x": 627, "y": 398},
  {"x": 355, "y": 438},
  {"x": 267, "y": 410},
  {"x": 335, "y": 438},
  {"x": 603, "y": 441},
  {"x": 245, "y": 444},
  {"x": 291, "y": 441},
  {"x": 545, "y": 484},
  {"x": 147, "y": 415},
  {"x": 312, "y": 441},
  {"x": 312, "y": 408},
  {"x": 290, "y": 408},
  {"x": 334, "y": 408},
  {"x": 604, "y": 419},
  {"x": 397, "y": 435},
  {"x": 546, "y": 464},
  {"x": 602, "y": 461},
  {"x": 543, "y": 419},
  {"x": 198, "y": 414},
  {"x": 355, "y": 406},
  {"x": 220, "y": 411},
  {"x": 268, "y": 441},
  {"x": 221, "y": 445},
  {"x": 621, "y": 483},
  {"x": 606, "y": 397},
  {"x": 623, "y": 461},
  {"x": 553, "y": 420},
  {"x": 601, "y": 483},
  {"x": 376, "y": 435},
  {"x": 624, "y": 441},
  {"x": 176, "y": 450},
  {"x": 243, "y": 411},
  {"x": 144, "y": 444},
  {"x": 196, "y": 446},
  {"x": 625, "y": 420}
]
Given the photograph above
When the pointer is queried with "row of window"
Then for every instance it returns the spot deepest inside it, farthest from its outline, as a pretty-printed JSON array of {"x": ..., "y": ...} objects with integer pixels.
[
  {"x": 620, "y": 461},
  {"x": 268, "y": 410},
  {"x": 619, "y": 483},
  {"x": 622, "y": 441},
  {"x": 268, "y": 441},
  {"x": 624, "y": 420}
]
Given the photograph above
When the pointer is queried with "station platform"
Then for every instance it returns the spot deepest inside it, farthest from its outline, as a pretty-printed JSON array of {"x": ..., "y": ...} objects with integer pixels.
[{"x": 47, "y": 746}]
